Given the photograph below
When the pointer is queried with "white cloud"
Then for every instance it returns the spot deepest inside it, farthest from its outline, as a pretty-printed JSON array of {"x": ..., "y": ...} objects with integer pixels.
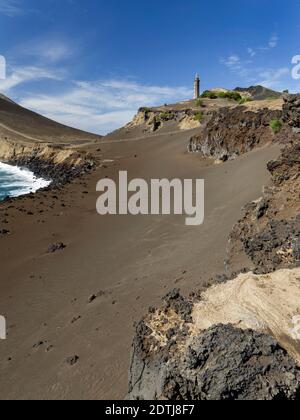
[
  {"x": 232, "y": 61},
  {"x": 46, "y": 50},
  {"x": 22, "y": 75},
  {"x": 10, "y": 8},
  {"x": 249, "y": 73},
  {"x": 102, "y": 106},
  {"x": 237, "y": 66},
  {"x": 273, "y": 78},
  {"x": 251, "y": 52},
  {"x": 273, "y": 41}
]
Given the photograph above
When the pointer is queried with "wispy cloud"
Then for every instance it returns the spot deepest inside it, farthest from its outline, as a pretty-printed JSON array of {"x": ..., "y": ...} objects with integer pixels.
[
  {"x": 273, "y": 41},
  {"x": 232, "y": 62},
  {"x": 270, "y": 45},
  {"x": 273, "y": 78},
  {"x": 102, "y": 106},
  {"x": 251, "y": 52},
  {"x": 10, "y": 8},
  {"x": 249, "y": 73},
  {"x": 237, "y": 66},
  {"x": 50, "y": 50},
  {"x": 21, "y": 75}
]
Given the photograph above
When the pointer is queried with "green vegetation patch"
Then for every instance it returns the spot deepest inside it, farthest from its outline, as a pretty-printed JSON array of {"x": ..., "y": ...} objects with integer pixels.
[
  {"x": 276, "y": 126},
  {"x": 165, "y": 116},
  {"x": 199, "y": 103},
  {"x": 244, "y": 100},
  {"x": 199, "y": 117},
  {"x": 210, "y": 94}
]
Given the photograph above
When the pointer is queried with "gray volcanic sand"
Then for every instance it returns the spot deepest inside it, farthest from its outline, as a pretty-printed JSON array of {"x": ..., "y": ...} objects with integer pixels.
[{"x": 127, "y": 262}]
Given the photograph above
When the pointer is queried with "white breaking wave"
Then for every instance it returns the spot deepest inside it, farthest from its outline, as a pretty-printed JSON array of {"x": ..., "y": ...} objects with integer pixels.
[{"x": 18, "y": 181}]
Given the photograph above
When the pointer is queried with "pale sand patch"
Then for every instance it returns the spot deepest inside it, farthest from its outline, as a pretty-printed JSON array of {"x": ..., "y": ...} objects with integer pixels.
[
  {"x": 273, "y": 104},
  {"x": 189, "y": 123},
  {"x": 269, "y": 303}
]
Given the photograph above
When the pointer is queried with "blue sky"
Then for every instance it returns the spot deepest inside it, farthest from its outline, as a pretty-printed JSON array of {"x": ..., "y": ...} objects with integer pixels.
[{"x": 92, "y": 63}]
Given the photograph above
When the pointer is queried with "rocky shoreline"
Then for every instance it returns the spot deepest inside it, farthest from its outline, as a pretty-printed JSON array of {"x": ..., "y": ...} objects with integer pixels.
[
  {"x": 59, "y": 174},
  {"x": 52, "y": 163},
  {"x": 249, "y": 356}
]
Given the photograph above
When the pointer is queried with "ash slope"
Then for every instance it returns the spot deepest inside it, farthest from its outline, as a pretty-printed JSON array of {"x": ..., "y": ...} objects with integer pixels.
[{"x": 19, "y": 123}]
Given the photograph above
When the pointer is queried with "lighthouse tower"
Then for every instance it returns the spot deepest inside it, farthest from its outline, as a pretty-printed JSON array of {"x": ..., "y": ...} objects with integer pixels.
[{"x": 197, "y": 87}]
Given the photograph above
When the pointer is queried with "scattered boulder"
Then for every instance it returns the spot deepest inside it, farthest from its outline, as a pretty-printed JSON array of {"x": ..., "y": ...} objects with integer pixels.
[
  {"x": 73, "y": 360},
  {"x": 95, "y": 296},
  {"x": 56, "y": 247}
]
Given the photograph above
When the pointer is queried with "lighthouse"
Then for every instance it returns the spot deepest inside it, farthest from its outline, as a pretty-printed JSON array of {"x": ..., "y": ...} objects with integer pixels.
[{"x": 197, "y": 87}]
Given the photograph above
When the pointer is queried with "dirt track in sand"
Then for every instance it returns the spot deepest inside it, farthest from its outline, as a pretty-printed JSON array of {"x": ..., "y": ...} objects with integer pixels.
[{"x": 127, "y": 262}]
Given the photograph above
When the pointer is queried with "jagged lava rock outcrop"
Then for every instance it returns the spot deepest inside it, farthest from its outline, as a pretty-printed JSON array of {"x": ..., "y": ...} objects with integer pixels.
[
  {"x": 233, "y": 131},
  {"x": 181, "y": 352},
  {"x": 269, "y": 232},
  {"x": 291, "y": 113}
]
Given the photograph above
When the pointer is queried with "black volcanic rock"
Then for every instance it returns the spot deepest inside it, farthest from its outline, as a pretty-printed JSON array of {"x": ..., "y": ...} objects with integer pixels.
[
  {"x": 223, "y": 363},
  {"x": 269, "y": 232},
  {"x": 58, "y": 174},
  {"x": 72, "y": 360},
  {"x": 179, "y": 304},
  {"x": 291, "y": 111},
  {"x": 56, "y": 247},
  {"x": 287, "y": 167},
  {"x": 277, "y": 246},
  {"x": 232, "y": 132}
]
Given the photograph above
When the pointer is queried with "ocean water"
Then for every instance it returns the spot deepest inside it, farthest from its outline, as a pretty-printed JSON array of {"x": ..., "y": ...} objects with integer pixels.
[{"x": 15, "y": 181}]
